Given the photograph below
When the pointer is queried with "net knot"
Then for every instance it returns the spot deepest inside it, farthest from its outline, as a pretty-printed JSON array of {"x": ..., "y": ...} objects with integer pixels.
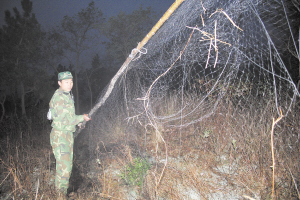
[{"x": 140, "y": 52}]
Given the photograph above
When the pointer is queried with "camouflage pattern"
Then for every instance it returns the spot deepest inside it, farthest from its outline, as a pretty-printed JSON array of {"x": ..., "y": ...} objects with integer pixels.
[
  {"x": 62, "y": 145},
  {"x": 63, "y": 111},
  {"x": 61, "y": 137},
  {"x": 64, "y": 75}
]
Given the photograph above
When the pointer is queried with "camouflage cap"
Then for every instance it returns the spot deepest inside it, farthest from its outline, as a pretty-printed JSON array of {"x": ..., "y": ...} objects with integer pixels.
[{"x": 64, "y": 75}]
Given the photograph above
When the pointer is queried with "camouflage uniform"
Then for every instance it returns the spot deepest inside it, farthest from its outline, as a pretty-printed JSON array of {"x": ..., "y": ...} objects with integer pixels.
[{"x": 61, "y": 137}]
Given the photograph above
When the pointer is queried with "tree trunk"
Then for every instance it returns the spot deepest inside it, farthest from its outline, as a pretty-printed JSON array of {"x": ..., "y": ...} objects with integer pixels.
[
  {"x": 3, "y": 108},
  {"x": 23, "y": 99},
  {"x": 91, "y": 96},
  {"x": 76, "y": 84},
  {"x": 90, "y": 89},
  {"x": 14, "y": 100}
]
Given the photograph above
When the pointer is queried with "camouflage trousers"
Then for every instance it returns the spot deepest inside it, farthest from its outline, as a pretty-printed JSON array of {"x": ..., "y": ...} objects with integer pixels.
[{"x": 62, "y": 146}]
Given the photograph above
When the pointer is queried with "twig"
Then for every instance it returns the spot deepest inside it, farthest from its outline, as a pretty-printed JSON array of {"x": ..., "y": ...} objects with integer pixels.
[
  {"x": 208, "y": 35},
  {"x": 248, "y": 188},
  {"x": 203, "y": 7},
  {"x": 272, "y": 149},
  {"x": 37, "y": 189},
  {"x": 216, "y": 47},
  {"x": 202, "y": 20},
  {"x": 294, "y": 183},
  {"x": 247, "y": 197},
  {"x": 216, "y": 59},
  {"x": 161, "y": 174},
  {"x": 5, "y": 177},
  {"x": 208, "y": 56},
  {"x": 221, "y": 11}
]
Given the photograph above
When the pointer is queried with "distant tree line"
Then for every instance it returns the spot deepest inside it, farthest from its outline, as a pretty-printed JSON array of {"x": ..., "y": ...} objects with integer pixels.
[{"x": 31, "y": 58}]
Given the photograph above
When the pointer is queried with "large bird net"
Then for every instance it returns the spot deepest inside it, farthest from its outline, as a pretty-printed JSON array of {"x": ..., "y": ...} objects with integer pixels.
[
  {"x": 211, "y": 59},
  {"x": 209, "y": 53}
]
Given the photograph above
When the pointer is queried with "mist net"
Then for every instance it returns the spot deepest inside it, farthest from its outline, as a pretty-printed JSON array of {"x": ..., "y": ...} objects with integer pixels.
[{"x": 214, "y": 57}]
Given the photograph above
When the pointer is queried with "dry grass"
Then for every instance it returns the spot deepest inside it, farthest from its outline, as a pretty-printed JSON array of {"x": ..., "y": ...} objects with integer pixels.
[
  {"x": 25, "y": 164},
  {"x": 227, "y": 155}
]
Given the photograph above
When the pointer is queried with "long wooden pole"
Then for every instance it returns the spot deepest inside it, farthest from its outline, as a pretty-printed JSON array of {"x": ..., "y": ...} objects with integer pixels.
[{"x": 113, "y": 81}]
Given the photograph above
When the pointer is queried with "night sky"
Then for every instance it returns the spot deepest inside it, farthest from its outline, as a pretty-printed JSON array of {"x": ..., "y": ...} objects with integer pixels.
[{"x": 51, "y": 12}]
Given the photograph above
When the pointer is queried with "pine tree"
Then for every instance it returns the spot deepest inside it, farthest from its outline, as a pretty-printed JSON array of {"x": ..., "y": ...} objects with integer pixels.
[{"x": 20, "y": 47}]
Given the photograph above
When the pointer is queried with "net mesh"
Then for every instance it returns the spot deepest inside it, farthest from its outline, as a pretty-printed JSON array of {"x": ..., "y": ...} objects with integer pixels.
[{"x": 210, "y": 57}]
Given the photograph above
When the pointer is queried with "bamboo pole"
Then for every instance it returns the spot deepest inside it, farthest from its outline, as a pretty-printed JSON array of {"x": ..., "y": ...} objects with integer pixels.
[
  {"x": 111, "y": 85},
  {"x": 161, "y": 21}
]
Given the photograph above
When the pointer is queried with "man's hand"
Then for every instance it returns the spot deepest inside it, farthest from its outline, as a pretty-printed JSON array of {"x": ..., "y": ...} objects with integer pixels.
[
  {"x": 79, "y": 125},
  {"x": 86, "y": 117}
]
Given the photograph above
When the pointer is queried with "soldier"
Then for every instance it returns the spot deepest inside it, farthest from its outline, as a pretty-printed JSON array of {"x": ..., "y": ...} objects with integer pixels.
[{"x": 63, "y": 125}]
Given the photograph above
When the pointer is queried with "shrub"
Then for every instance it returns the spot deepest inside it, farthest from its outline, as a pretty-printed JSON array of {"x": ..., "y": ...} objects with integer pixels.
[{"x": 135, "y": 172}]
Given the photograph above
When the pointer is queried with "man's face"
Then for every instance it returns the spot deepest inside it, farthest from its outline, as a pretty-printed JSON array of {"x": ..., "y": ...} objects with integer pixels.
[{"x": 66, "y": 85}]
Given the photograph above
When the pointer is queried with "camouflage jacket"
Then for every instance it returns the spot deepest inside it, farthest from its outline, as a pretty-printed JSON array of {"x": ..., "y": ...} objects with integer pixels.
[{"x": 63, "y": 111}]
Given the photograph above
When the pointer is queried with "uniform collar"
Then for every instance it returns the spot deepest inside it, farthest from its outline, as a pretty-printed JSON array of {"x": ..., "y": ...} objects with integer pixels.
[{"x": 62, "y": 91}]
